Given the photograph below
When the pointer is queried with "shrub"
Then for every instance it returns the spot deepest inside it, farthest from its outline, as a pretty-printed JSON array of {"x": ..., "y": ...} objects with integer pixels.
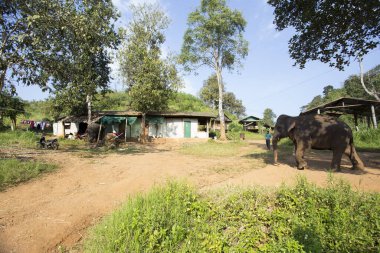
[{"x": 303, "y": 218}]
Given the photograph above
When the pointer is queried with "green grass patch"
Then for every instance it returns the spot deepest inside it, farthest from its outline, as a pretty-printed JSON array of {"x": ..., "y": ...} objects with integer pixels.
[
  {"x": 213, "y": 148},
  {"x": 304, "y": 218},
  {"x": 23, "y": 139},
  {"x": 367, "y": 140},
  {"x": 14, "y": 171}
]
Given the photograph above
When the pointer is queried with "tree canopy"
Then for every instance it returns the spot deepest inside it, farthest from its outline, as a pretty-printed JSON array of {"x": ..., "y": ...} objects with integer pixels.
[
  {"x": 214, "y": 38},
  {"x": 11, "y": 106},
  {"x": 331, "y": 31},
  {"x": 268, "y": 117},
  {"x": 57, "y": 45},
  {"x": 209, "y": 94}
]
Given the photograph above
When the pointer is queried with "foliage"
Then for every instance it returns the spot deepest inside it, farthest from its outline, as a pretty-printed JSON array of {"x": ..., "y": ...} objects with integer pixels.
[
  {"x": 329, "y": 31},
  {"x": 209, "y": 93},
  {"x": 11, "y": 106},
  {"x": 183, "y": 102},
  {"x": 20, "y": 139},
  {"x": 303, "y": 218},
  {"x": 268, "y": 117},
  {"x": 55, "y": 42},
  {"x": 367, "y": 139},
  {"x": 151, "y": 81},
  {"x": 354, "y": 88},
  {"x": 14, "y": 171},
  {"x": 329, "y": 94},
  {"x": 214, "y": 39}
]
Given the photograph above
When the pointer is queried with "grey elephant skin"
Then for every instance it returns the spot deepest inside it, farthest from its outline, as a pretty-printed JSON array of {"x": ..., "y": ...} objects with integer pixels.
[{"x": 317, "y": 132}]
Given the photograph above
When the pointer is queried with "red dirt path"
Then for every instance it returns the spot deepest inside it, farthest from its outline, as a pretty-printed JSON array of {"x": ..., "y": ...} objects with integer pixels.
[{"x": 56, "y": 209}]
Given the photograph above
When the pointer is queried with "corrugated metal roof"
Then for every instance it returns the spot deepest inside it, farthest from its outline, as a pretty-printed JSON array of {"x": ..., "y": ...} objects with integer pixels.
[{"x": 346, "y": 105}]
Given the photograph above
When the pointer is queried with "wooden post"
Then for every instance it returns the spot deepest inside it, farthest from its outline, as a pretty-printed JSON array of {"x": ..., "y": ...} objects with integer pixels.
[
  {"x": 207, "y": 128},
  {"x": 100, "y": 128},
  {"x": 374, "y": 116},
  {"x": 319, "y": 111},
  {"x": 125, "y": 131}
]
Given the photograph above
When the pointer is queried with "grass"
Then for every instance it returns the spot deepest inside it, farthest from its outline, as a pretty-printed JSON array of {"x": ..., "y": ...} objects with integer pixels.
[
  {"x": 213, "y": 148},
  {"x": 367, "y": 140},
  {"x": 303, "y": 218},
  {"x": 15, "y": 171},
  {"x": 22, "y": 139}
]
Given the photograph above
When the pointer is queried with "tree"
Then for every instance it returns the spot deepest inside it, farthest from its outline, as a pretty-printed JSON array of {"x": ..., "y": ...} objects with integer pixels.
[
  {"x": 151, "y": 81},
  {"x": 233, "y": 105},
  {"x": 268, "y": 117},
  {"x": 354, "y": 87},
  {"x": 214, "y": 39},
  {"x": 89, "y": 72},
  {"x": 53, "y": 44},
  {"x": 11, "y": 106},
  {"x": 331, "y": 31},
  {"x": 209, "y": 93}
]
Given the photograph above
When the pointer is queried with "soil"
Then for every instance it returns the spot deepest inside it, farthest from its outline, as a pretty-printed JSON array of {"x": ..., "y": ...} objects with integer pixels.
[{"x": 54, "y": 211}]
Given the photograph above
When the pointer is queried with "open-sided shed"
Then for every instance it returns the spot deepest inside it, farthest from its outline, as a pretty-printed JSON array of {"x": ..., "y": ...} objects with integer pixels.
[
  {"x": 355, "y": 106},
  {"x": 250, "y": 123}
]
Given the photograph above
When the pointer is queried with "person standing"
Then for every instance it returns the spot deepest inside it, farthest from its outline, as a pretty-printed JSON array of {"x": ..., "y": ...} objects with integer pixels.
[{"x": 268, "y": 137}]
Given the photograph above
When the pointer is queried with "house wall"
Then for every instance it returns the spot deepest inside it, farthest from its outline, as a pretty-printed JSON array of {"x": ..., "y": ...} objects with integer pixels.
[{"x": 58, "y": 129}]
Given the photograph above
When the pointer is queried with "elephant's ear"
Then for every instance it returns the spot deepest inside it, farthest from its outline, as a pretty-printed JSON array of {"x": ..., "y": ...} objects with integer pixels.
[{"x": 291, "y": 126}]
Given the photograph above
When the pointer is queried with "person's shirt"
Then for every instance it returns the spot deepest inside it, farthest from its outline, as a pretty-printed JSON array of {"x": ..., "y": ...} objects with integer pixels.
[{"x": 268, "y": 136}]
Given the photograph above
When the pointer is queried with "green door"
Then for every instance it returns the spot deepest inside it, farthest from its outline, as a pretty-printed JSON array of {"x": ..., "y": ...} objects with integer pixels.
[{"x": 187, "y": 129}]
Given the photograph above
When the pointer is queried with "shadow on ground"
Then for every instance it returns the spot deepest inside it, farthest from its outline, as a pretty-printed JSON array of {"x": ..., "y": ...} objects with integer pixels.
[{"x": 318, "y": 160}]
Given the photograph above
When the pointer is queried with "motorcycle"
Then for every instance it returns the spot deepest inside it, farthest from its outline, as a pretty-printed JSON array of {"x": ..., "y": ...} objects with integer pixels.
[{"x": 47, "y": 144}]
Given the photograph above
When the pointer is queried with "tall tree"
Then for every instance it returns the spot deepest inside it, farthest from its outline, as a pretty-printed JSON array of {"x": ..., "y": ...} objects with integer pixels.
[
  {"x": 214, "y": 38},
  {"x": 11, "y": 106},
  {"x": 331, "y": 31},
  {"x": 268, "y": 117},
  {"x": 54, "y": 43},
  {"x": 151, "y": 80}
]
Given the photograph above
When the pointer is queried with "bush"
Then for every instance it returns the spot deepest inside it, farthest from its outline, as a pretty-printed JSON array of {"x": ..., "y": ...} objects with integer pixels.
[{"x": 303, "y": 218}]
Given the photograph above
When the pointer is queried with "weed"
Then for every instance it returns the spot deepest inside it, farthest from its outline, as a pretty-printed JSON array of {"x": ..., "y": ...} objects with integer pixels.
[{"x": 14, "y": 171}]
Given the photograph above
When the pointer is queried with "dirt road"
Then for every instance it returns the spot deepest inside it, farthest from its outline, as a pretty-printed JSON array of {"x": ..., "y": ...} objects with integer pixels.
[{"x": 56, "y": 209}]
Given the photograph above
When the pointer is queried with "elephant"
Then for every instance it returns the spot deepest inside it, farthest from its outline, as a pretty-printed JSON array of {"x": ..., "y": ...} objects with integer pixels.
[
  {"x": 317, "y": 132},
  {"x": 93, "y": 132}
]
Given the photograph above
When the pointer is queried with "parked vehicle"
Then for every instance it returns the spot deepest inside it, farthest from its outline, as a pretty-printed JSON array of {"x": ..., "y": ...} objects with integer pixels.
[{"x": 47, "y": 144}]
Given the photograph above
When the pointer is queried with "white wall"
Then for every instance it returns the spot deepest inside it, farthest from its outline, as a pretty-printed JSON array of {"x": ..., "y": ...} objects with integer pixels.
[
  {"x": 58, "y": 129},
  {"x": 174, "y": 128}
]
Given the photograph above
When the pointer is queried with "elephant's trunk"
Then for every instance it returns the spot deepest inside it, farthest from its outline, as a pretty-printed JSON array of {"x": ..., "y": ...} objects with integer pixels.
[{"x": 274, "y": 144}]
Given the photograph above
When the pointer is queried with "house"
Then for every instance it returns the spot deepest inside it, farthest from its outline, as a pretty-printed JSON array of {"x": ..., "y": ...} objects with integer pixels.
[
  {"x": 70, "y": 125},
  {"x": 215, "y": 123},
  {"x": 250, "y": 123},
  {"x": 158, "y": 125}
]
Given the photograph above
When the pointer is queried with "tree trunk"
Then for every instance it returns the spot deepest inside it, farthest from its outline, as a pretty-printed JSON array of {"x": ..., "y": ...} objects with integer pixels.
[
  {"x": 13, "y": 124},
  {"x": 220, "y": 109},
  {"x": 3, "y": 73},
  {"x": 371, "y": 93},
  {"x": 143, "y": 133},
  {"x": 89, "y": 108}
]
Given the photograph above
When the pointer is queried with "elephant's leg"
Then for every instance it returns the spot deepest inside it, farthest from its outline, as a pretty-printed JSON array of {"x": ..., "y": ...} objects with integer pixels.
[
  {"x": 354, "y": 158},
  {"x": 300, "y": 150},
  {"x": 337, "y": 157}
]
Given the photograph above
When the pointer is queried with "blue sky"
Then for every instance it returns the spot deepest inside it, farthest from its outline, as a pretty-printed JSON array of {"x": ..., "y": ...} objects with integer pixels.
[{"x": 268, "y": 78}]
